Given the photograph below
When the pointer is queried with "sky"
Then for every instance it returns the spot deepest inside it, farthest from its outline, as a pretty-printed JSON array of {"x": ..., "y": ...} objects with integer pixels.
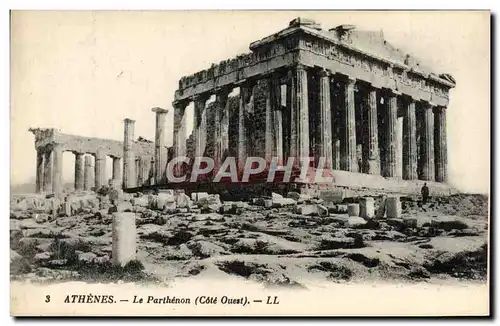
[{"x": 83, "y": 72}]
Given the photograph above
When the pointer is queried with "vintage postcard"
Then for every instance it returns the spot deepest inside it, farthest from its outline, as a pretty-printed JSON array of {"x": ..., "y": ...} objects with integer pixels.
[{"x": 250, "y": 163}]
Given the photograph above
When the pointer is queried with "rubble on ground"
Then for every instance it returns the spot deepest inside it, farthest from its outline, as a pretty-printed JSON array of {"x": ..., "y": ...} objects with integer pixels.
[{"x": 275, "y": 239}]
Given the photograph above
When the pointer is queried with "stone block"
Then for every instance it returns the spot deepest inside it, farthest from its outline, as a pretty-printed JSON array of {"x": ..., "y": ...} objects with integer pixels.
[
  {"x": 279, "y": 202},
  {"x": 393, "y": 204},
  {"x": 410, "y": 222},
  {"x": 212, "y": 199},
  {"x": 166, "y": 197},
  {"x": 275, "y": 196},
  {"x": 87, "y": 257},
  {"x": 182, "y": 200},
  {"x": 124, "y": 206},
  {"x": 142, "y": 201},
  {"x": 294, "y": 195},
  {"x": 307, "y": 210},
  {"x": 268, "y": 203},
  {"x": 382, "y": 208},
  {"x": 124, "y": 244},
  {"x": 322, "y": 210},
  {"x": 353, "y": 209},
  {"x": 334, "y": 196},
  {"x": 355, "y": 221},
  {"x": 196, "y": 196},
  {"x": 367, "y": 207},
  {"x": 170, "y": 192}
]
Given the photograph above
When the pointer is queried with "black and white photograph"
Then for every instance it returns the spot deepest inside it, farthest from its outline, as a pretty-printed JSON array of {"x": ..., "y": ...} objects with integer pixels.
[{"x": 249, "y": 163}]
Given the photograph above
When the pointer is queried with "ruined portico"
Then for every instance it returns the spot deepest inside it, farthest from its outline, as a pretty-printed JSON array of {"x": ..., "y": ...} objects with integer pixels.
[
  {"x": 343, "y": 94},
  {"x": 50, "y": 145}
]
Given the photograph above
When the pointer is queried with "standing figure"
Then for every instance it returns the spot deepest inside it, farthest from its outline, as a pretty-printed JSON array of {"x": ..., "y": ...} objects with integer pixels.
[{"x": 425, "y": 193}]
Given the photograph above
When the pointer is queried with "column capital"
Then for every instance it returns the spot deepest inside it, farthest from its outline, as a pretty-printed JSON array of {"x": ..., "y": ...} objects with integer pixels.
[
  {"x": 181, "y": 104},
  {"x": 427, "y": 105},
  {"x": 246, "y": 82},
  {"x": 300, "y": 66},
  {"x": 128, "y": 121},
  {"x": 408, "y": 98},
  {"x": 158, "y": 110},
  {"x": 347, "y": 79},
  {"x": 439, "y": 109},
  {"x": 391, "y": 91},
  {"x": 223, "y": 91},
  {"x": 203, "y": 97},
  {"x": 324, "y": 73}
]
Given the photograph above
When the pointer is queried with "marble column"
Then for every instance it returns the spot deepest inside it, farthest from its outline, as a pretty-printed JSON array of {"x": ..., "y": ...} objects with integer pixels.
[
  {"x": 409, "y": 140},
  {"x": 391, "y": 136},
  {"x": 349, "y": 160},
  {"x": 200, "y": 130},
  {"x": 116, "y": 175},
  {"x": 39, "y": 170},
  {"x": 141, "y": 175},
  {"x": 440, "y": 145},
  {"x": 129, "y": 175},
  {"x": 246, "y": 90},
  {"x": 269, "y": 134},
  {"x": 180, "y": 133},
  {"x": 160, "y": 145},
  {"x": 427, "y": 143},
  {"x": 57, "y": 182},
  {"x": 325, "y": 137},
  {"x": 79, "y": 174},
  {"x": 87, "y": 173},
  {"x": 373, "y": 161},
  {"x": 302, "y": 112},
  {"x": 277, "y": 119},
  {"x": 100, "y": 168},
  {"x": 47, "y": 170},
  {"x": 221, "y": 128}
]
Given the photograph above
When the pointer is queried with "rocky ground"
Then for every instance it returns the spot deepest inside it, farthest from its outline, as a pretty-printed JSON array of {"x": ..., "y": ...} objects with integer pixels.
[{"x": 272, "y": 240}]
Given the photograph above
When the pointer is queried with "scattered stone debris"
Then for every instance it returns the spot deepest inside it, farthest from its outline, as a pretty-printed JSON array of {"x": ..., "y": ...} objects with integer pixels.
[{"x": 267, "y": 239}]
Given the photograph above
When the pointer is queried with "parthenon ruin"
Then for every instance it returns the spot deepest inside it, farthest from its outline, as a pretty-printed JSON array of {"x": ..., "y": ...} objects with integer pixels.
[
  {"x": 90, "y": 160},
  {"x": 343, "y": 94}
]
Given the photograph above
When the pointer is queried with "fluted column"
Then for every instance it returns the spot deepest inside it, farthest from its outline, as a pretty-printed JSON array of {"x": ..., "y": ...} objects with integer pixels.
[
  {"x": 277, "y": 117},
  {"x": 373, "y": 161},
  {"x": 390, "y": 130},
  {"x": 100, "y": 168},
  {"x": 116, "y": 175},
  {"x": 180, "y": 133},
  {"x": 141, "y": 173},
  {"x": 39, "y": 170},
  {"x": 325, "y": 116},
  {"x": 47, "y": 170},
  {"x": 200, "y": 132},
  {"x": 87, "y": 173},
  {"x": 302, "y": 112},
  {"x": 79, "y": 174},
  {"x": 269, "y": 134},
  {"x": 246, "y": 92},
  {"x": 221, "y": 128},
  {"x": 440, "y": 145},
  {"x": 409, "y": 141},
  {"x": 129, "y": 176},
  {"x": 57, "y": 183},
  {"x": 160, "y": 145},
  {"x": 349, "y": 160},
  {"x": 427, "y": 143}
]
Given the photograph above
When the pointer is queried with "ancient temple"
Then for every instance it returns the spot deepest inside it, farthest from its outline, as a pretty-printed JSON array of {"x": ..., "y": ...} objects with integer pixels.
[
  {"x": 343, "y": 94},
  {"x": 90, "y": 160},
  {"x": 375, "y": 114}
]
